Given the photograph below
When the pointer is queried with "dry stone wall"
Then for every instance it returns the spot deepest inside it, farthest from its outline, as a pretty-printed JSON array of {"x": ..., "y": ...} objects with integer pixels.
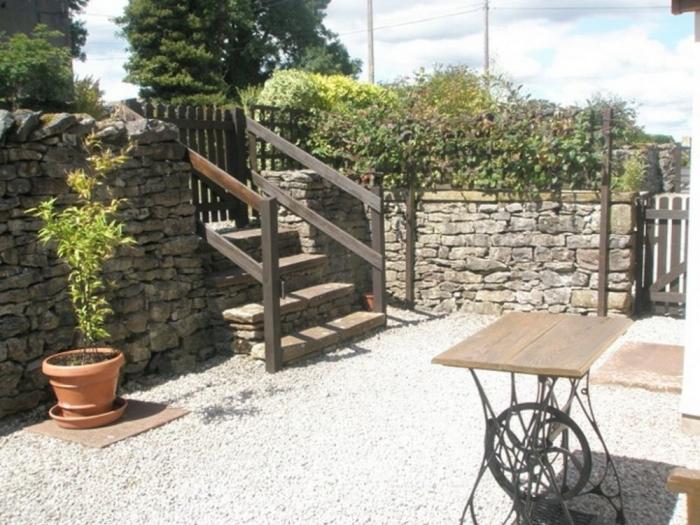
[
  {"x": 157, "y": 289},
  {"x": 488, "y": 254}
]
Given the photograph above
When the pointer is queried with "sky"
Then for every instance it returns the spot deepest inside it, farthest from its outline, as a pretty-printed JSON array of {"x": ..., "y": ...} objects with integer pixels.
[{"x": 562, "y": 50}]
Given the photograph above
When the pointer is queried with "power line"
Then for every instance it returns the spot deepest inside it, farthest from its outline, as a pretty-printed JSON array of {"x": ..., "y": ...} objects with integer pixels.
[
  {"x": 578, "y": 8},
  {"x": 416, "y": 21}
]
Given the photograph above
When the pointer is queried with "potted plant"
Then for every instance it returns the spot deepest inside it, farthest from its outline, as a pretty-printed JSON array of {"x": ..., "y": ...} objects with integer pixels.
[{"x": 86, "y": 235}]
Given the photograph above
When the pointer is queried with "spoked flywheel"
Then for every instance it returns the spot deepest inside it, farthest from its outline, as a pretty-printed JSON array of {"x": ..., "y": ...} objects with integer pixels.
[{"x": 537, "y": 452}]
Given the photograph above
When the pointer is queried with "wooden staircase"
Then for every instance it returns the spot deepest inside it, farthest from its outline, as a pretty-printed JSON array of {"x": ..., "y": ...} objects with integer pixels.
[
  {"x": 312, "y": 318},
  {"x": 296, "y": 317}
]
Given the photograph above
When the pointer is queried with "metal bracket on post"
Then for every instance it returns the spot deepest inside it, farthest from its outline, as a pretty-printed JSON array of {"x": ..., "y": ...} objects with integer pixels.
[{"x": 271, "y": 285}]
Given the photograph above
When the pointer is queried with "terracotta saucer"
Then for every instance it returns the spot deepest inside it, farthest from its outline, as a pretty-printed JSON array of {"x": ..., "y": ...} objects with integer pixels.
[{"x": 97, "y": 420}]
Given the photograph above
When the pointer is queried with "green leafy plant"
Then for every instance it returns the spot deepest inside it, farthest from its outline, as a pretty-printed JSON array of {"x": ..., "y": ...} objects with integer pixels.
[
  {"x": 293, "y": 88},
  {"x": 86, "y": 235},
  {"x": 248, "y": 96},
  {"x": 632, "y": 174},
  {"x": 87, "y": 97}
]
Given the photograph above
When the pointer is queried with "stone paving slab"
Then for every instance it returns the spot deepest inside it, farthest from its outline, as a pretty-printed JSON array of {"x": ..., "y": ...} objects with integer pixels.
[
  {"x": 652, "y": 366},
  {"x": 139, "y": 417}
]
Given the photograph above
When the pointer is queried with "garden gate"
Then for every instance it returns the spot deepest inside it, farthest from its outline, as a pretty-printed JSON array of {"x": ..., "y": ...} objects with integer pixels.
[{"x": 662, "y": 248}]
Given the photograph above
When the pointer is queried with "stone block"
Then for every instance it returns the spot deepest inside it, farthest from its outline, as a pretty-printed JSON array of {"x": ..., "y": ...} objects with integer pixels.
[
  {"x": 588, "y": 299},
  {"x": 482, "y": 308},
  {"x": 495, "y": 296},
  {"x": 621, "y": 219}
]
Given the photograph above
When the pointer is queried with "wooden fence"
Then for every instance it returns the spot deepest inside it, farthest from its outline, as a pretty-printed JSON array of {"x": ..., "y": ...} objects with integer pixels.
[
  {"x": 289, "y": 123},
  {"x": 212, "y": 133}
]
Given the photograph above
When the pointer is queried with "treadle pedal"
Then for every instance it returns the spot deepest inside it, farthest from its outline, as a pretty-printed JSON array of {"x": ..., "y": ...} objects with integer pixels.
[{"x": 546, "y": 513}]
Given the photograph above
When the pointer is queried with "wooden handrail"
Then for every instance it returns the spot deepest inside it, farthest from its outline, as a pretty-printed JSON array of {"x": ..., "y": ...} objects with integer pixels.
[
  {"x": 312, "y": 163},
  {"x": 212, "y": 172},
  {"x": 334, "y": 232}
]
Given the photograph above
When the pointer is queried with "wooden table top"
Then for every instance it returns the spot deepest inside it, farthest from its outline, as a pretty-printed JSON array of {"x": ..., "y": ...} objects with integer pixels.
[{"x": 537, "y": 343}]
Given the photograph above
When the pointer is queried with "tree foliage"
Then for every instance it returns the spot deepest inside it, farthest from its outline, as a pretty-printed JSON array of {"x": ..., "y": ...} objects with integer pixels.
[
  {"x": 451, "y": 127},
  {"x": 200, "y": 51},
  {"x": 294, "y": 88},
  {"x": 176, "y": 49},
  {"x": 88, "y": 97},
  {"x": 33, "y": 71},
  {"x": 78, "y": 31},
  {"x": 86, "y": 235}
]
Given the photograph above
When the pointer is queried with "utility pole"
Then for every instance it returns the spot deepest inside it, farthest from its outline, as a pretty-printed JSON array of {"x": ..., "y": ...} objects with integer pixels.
[
  {"x": 370, "y": 43},
  {"x": 487, "y": 54}
]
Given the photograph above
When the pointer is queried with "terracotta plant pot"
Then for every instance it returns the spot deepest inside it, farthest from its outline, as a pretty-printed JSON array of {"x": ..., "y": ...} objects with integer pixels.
[
  {"x": 368, "y": 301},
  {"x": 84, "y": 391}
]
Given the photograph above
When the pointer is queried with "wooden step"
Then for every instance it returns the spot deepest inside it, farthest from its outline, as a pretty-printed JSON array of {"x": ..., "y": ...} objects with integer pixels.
[
  {"x": 253, "y": 313},
  {"x": 290, "y": 264},
  {"x": 315, "y": 339},
  {"x": 247, "y": 234}
]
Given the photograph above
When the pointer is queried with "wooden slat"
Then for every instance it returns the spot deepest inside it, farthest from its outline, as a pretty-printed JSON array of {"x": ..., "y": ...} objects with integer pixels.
[
  {"x": 663, "y": 236},
  {"x": 314, "y": 164},
  {"x": 241, "y": 171},
  {"x": 640, "y": 205},
  {"x": 679, "y": 214},
  {"x": 232, "y": 252},
  {"x": 334, "y": 232},
  {"x": 223, "y": 179},
  {"x": 675, "y": 246},
  {"x": 493, "y": 347},
  {"x": 181, "y": 112},
  {"x": 220, "y": 145},
  {"x": 570, "y": 347},
  {"x": 669, "y": 297},
  {"x": 664, "y": 280}
]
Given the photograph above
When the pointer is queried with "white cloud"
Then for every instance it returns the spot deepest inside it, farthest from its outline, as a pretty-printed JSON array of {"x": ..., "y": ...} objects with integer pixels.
[
  {"x": 106, "y": 52},
  {"x": 547, "y": 50}
]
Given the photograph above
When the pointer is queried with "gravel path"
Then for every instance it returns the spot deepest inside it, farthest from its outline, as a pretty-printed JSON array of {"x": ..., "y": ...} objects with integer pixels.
[{"x": 370, "y": 433}]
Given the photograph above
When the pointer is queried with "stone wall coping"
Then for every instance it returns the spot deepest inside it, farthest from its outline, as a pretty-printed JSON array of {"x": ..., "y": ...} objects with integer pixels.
[{"x": 579, "y": 196}]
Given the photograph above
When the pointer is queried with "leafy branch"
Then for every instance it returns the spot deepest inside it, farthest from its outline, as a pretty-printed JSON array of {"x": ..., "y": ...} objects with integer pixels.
[{"x": 86, "y": 235}]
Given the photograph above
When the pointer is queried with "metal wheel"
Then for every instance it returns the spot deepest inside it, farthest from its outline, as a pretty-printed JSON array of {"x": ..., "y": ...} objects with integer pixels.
[{"x": 531, "y": 449}]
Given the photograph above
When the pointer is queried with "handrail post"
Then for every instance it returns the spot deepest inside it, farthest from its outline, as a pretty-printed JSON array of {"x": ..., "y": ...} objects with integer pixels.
[
  {"x": 238, "y": 161},
  {"x": 271, "y": 285},
  {"x": 379, "y": 274}
]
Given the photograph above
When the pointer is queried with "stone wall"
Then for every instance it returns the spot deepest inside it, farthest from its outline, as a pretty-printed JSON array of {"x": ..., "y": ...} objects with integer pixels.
[
  {"x": 663, "y": 165},
  {"x": 157, "y": 288},
  {"x": 486, "y": 253},
  {"x": 168, "y": 313}
]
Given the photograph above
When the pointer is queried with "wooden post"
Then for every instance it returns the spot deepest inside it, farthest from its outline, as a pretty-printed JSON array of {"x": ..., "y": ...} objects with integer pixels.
[
  {"x": 271, "y": 285},
  {"x": 238, "y": 154},
  {"x": 605, "y": 215},
  {"x": 379, "y": 274},
  {"x": 410, "y": 241}
]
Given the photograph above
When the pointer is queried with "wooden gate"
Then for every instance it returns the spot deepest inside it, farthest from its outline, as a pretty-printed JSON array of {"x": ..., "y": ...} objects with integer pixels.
[{"x": 663, "y": 245}]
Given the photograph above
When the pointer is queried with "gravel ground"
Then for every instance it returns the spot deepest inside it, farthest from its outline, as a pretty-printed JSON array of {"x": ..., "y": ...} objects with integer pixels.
[{"x": 370, "y": 433}]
